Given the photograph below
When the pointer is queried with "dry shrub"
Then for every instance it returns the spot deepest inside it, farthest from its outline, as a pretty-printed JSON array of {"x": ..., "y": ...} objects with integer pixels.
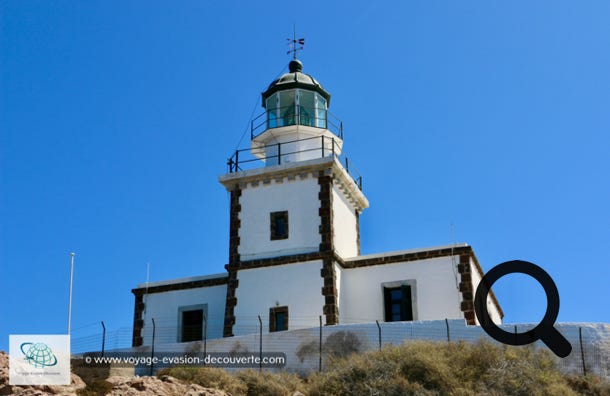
[
  {"x": 207, "y": 377},
  {"x": 591, "y": 385},
  {"x": 415, "y": 368},
  {"x": 242, "y": 383},
  {"x": 265, "y": 383},
  {"x": 428, "y": 368}
]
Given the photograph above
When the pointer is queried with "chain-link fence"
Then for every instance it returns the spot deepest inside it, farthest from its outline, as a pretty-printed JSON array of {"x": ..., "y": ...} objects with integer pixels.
[{"x": 308, "y": 349}]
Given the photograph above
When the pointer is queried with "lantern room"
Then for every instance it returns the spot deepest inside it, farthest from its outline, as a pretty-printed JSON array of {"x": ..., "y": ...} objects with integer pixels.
[{"x": 296, "y": 124}]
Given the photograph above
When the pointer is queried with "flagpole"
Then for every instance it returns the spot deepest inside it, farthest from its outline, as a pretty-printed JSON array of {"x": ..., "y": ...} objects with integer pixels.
[{"x": 70, "y": 301}]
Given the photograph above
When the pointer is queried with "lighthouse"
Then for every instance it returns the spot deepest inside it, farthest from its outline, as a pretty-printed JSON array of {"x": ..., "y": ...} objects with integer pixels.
[
  {"x": 295, "y": 206},
  {"x": 294, "y": 259}
]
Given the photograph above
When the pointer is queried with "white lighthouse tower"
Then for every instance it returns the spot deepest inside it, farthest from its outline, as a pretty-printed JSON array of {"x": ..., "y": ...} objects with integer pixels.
[{"x": 294, "y": 209}]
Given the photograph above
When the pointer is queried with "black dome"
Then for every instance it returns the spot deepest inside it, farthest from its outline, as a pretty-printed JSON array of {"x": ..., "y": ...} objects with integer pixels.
[{"x": 295, "y": 78}]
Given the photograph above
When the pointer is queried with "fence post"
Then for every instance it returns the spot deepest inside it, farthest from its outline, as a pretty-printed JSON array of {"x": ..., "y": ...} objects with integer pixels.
[
  {"x": 205, "y": 337},
  {"x": 320, "y": 351},
  {"x": 582, "y": 351},
  {"x": 448, "y": 333},
  {"x": 236, "y": 160},
  {"x": 379, "y": 331},
  {"x": 152, "y": 349},
  {"x": 260, "y": 343},
  {"x": 346, "y": 165},
  {"x": 103, "y": 337}
]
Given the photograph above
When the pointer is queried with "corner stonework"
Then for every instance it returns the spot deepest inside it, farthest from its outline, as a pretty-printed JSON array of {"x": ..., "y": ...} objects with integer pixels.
[
  {"x": 329, "y": 288},
  {"x": 466, "y": 289},
  {"x": 234, "y": 260}
]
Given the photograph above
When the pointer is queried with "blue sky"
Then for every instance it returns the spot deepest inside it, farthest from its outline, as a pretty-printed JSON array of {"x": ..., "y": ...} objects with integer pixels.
[{"x": 117, "y": 117}]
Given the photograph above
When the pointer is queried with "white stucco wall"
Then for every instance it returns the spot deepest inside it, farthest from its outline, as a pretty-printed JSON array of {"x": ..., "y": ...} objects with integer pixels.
[
  {"x": 436, "y": 294},
  {"x": 298, "y": 286},
  {"x": 338, "y": 282},
  {"x": 164, "y": 308},
  {"x": 344, "y": 224},
  {"x": 298, "y": 143},
  {"x": 494, "y": 314},
  {"x": 300, "y": 198}
]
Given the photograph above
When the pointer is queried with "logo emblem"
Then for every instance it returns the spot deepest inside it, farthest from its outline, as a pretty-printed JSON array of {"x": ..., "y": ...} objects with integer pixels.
[{"x": 38, "y": 355}]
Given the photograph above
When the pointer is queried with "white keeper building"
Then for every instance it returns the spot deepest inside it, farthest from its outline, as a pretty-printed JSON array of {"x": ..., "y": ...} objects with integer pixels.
[{"x": 294, "y": 242}]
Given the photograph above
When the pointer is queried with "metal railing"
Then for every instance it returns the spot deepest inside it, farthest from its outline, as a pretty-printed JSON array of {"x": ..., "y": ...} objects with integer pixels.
[
  {"x": 296, "y": 115},
  {"x": 278, "y": 153}
]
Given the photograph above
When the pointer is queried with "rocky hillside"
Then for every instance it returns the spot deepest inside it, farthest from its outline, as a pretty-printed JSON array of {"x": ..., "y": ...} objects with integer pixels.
[{"x": 113, "y": 386}]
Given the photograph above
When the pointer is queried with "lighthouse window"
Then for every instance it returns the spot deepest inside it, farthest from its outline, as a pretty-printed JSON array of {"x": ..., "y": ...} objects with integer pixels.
[
  {"x": 320, "y": 111},
  {"x": 191, "y": 322},
  {"x": 278, "y": 319},
  {"x": 306, "y": 108},
  {"x": 272, "y": 113},
  {"x": 398, "y": 305},
  {"x": 279, "y": 225},
  {"x": 287, "y": 105}
]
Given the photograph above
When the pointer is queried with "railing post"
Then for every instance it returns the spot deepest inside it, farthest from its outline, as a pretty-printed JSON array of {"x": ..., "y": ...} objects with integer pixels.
[
  {"x": 322, "y": 145},
  {"x": 279, "y": 153},
  {"x": 320, "y": 351},
  {"x": 379, "y": 330},
  {"x": 360, "y": 182},
  {"x": 582, "y": 351},
  {"x": 260, "y": 343},
  {"x": 152, "y": 348},
  {"x": 103, "y": 337},
  {"x": 251, "y": 129},
  {"x": 205, "y": 336},
  {"x": 333, "y": 146},
  {"x": 346, "y": 165}
]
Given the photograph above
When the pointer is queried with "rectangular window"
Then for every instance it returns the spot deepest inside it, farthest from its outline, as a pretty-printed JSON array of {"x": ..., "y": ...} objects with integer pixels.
[
  {"x": 192, "y": 325},
  {"x": 398, "y": 305},
  {"x": 278, "y": 319},
  {"x": 279, "y": 225}
]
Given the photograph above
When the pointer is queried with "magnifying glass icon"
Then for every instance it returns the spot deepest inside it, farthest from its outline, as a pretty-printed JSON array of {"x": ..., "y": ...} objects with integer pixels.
[{"x": 544, "y": 331}]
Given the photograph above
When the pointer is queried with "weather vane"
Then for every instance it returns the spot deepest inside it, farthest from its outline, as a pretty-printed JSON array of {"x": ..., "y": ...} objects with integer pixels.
[{"x": 295, "y": 44}]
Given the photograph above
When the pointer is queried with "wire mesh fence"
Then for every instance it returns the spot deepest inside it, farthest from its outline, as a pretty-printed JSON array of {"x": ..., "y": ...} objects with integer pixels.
[{"x": 310, "y": 346}]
